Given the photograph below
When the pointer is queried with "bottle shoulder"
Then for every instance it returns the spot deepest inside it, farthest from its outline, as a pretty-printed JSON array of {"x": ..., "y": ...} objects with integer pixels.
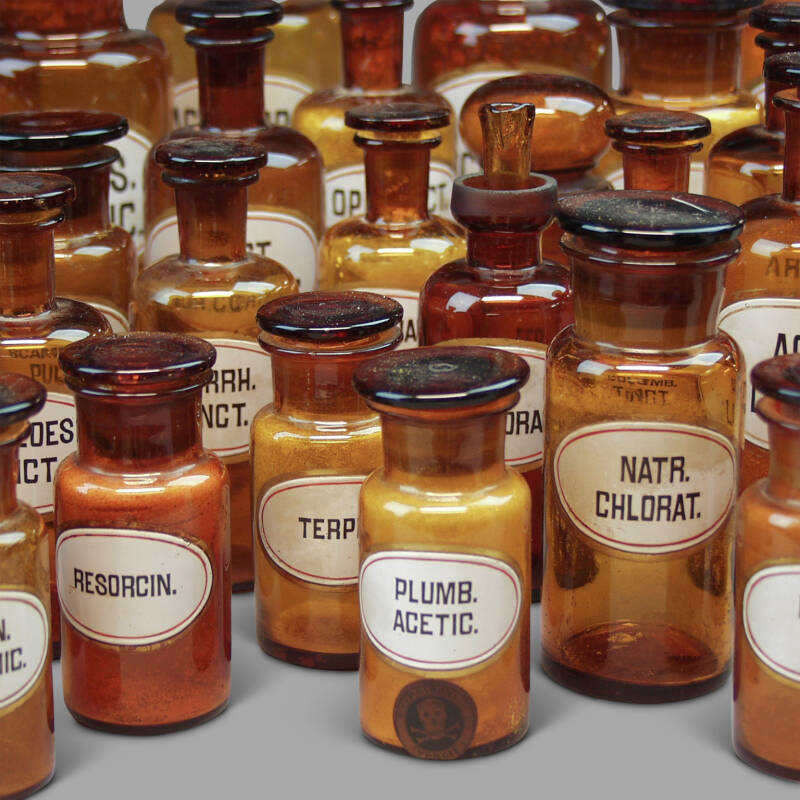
[
  {"x": 748, "y": 142},
  {"x": 544, "y": 281},
  {"x": 335, "y": 101},
  {"x": 424, "y": 231},
  {"x": 67, "y": 321},
  {"x": 138, "y": 45}
]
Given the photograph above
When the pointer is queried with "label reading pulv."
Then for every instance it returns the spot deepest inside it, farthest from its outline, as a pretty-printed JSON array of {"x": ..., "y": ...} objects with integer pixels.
[
  {"x": 438, "y": 611},
  {"x": 24, "y": 642},
  {"x": 129, "y": 587},
  {"x": 646, "y": 487},
  {"x": 127, "y": 185},
  {"x": 409, "y": 300},
  {"x": 771, "y": 618},
  {"x": 309, "y": 527},
  {"x": 52, "y": 439},
  {"x": 241, "y": 385},
  {"x": 762, "y": 327}
]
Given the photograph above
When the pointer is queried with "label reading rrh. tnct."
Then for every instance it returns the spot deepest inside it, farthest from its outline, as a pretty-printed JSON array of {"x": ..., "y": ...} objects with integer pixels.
[{"x": 24, "y": 644}]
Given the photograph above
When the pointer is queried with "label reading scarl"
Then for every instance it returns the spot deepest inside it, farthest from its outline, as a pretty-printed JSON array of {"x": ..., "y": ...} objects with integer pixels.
[
  {"x": 24, "y": 644},
  {"x": 127, "y": 185}
]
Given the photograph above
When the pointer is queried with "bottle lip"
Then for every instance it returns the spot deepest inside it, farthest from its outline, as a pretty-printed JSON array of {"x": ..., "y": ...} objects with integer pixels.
[
  {"x": 212, "y": 157},
  {"x": 20, "y": 398},
  {"x": 371, "y": 5},
  {"x": 787, "y": 101},
  {"x": 776, "y": 17},
  {"x": 137, "y": 364},
  {"x": 24, "y": 192},
  {"x": 229, "y": 14},
  {"x": 440, "y": 378},
  {"x": 43, "y": 131},
  {"x": 686, "y": 6},
  {"x": 783, "y": 68},
  {"x": 397, "y": 117},
  {"x": 644, "y": 220},
  {"x": 779, "y": 378},
  {"x": 657, "y": 126}
]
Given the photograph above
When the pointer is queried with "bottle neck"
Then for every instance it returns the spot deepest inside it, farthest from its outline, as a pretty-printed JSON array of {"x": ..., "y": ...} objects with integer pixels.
[
  {"x": 53, "y": 17},
  {"x": 372, "y": 45},
  {"x": 397, "y": 182},
  {"x": 9, "y": 470},
  {"x": 774, "y": 118},
  {"x": 791, "y": 158},
  {"x": 503, "y": 250},
  {"x": 783, "y": 480},
  {"x": 656, "y": 168}
]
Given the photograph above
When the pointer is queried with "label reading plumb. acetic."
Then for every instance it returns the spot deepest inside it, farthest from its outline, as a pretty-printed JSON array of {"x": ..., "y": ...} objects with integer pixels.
[
  {"x": 763, "y": 327},
  {"x": 241, "y": 385},
  {"x": 127, "y": 185},
  {"x": 309, "y": 527},
  {"x": 409, "y": 300},
  {"x": 130, "y": 587},
  {"x": 646, "y": 487},
  {"x": 24, "y": 644},
  {"x": 438, "y": 611},
  {"x": 53, "y": 436},
  {"x": 771, "y": 618}
]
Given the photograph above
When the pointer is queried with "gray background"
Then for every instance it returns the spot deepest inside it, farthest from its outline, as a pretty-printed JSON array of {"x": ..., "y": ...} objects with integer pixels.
[{"x": 295, "y": 732}]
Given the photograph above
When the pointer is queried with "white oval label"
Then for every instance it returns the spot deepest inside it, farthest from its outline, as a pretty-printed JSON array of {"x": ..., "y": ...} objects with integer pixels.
[
  {"x": 127, "y": 185},
  {"x": 409, "y": 300},
  {"x": 771, "y": 618},
  {"x": 438, "y": 611},
  {"x": 309, "y": 527},
  {"x": 646, "y": 487},
  {"x": 24, "y": 644},
  {"x": 129, "y": 587},
  {"x": 763, "y": 327},
  {"x": 52, "y": 438},
  {"x": 240, "y": 387}
]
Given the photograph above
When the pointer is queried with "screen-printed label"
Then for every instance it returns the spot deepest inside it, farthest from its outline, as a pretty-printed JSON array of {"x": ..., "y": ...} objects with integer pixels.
[
  {"x": 309, "y": 527},
  {"x": 24, "y": 644},
  {"x": 762, "y": 327},
  {"x": 409, "y": 300},
  {"x": 127, "y": 185},
  {"x": 438, "y": 611},
  {"x": 129, "y": 587},
  {"x": 646, "y": 487},
  {"x": 116, "y": 318}
]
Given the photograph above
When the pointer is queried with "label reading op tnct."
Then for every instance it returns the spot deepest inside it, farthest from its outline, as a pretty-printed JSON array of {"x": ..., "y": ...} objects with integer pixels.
[
  {"x": 771, "y": 618},
  {"x": 127, "y": 185},
  {"x": 129, "y": 587},
  {"x": 24, "y": 643},
  {"x": 309, "y": 527},
  {"x": 646, "y": 487},
  {"x": 52, "y": 439},
  {"x": 438, "y": 611},
  {"x": 240, "y": 387},
  {"x": 409, "y": 300}
]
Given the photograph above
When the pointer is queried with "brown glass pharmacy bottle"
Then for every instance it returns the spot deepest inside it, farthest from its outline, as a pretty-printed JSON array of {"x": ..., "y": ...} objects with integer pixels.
[
  {"x": 27, "y": 744},
  {"x": 503, "y": 294},
  {"x": 81, "y": 54},
  {"x": 772, "y": 29},
  {"x": 95, "y": 260},
  {"x": 372, "y": 44},
  {"x": 312, "y": 449},
  {"x": 34, "y": 326},
  {"x": 766, "y": 667},
  {"x": 397, "y": 244},
  {"x": 444, "y": 673},
  {"x": 753, "y": 59},
  {"x": 213, "y": 288},
  {"x": 143, "y": 548},
  {"x": 285, "y": 206},
  {"x": 644, "y": 427}
]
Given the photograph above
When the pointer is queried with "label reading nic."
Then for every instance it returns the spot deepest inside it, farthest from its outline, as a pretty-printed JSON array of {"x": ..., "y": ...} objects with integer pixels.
[
  {"x": 24, "y": 644},
  {"x": 127, "y": 185}
]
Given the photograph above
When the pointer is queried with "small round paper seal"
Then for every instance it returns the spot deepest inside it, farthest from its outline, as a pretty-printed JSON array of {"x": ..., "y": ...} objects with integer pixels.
[{"x": 435, "y": 719}]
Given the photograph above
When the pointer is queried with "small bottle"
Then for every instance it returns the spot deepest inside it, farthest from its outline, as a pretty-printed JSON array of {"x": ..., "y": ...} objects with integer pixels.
[
  {"x": 27, "y": 744},
  {"x": 761, "y": 305},
  {"x": 312, "y": 450},
  {"x": 569, "y": 135},
  {"x": 95, "y": 260},
  {"x": 766, "y": 661},
  {"x": 503, "y": 294},
  {"x": 682, "y": 55},
  {"x": 460, "y": 45},
  {"x": 307, "y": 26},
  {"x": 372, "y": 42},
  {"x": 80, "y": 54},
  {"x": 753, "y": 59},
  {"x": 644, "y": 427},
  {"x": 398, "y": 243},
  {"x": 285, "y": 208},
  {"x": 445, "y": 557},
  {"x": 143, "y": 548},
  {"x": 773, "y": 28},
  {"x": 657, "y": 147},
  {"x": 212, "y": 289},
  {"x": 34, "y": 327}
]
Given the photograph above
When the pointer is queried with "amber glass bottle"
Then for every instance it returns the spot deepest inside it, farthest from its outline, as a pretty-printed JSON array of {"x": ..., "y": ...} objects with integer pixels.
[
  {"x": 312, "y": 450},
  {"x": 774, "y": 28},
  {"x": 213, "y": 288},
  {"x": 657, "y": 147},
  {"x": 503, "y": 294},
  {"x": 307, "y": 26},
  {"x": 95, "y": 260},
  {"x": 143, "y": 548},
  {"x": 461, "y": 44},
  {"x": 398, "y": 243},
  {"x": 753, "y": 59},
  {"x": 682, "y": 55},
  {"x": 761, "y": 306},
  {"x": 372, "y": 42},
  {"x": 766, "y": 663},
  {"x": 285, "y": 209},
  {"x": 644, "y": 413},
  {"x": 27, "y": 744},
  {"x": 34, "y": 326},
  {"x": 80, "y": 54}
]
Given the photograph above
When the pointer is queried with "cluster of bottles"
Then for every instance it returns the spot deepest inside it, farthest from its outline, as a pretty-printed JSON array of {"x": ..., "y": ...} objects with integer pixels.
[{"x": 553, "y": 366}]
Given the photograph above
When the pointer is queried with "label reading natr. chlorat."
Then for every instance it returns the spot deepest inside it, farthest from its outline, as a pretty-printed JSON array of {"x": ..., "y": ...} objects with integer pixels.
[{"x": 24, "y": 644}]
